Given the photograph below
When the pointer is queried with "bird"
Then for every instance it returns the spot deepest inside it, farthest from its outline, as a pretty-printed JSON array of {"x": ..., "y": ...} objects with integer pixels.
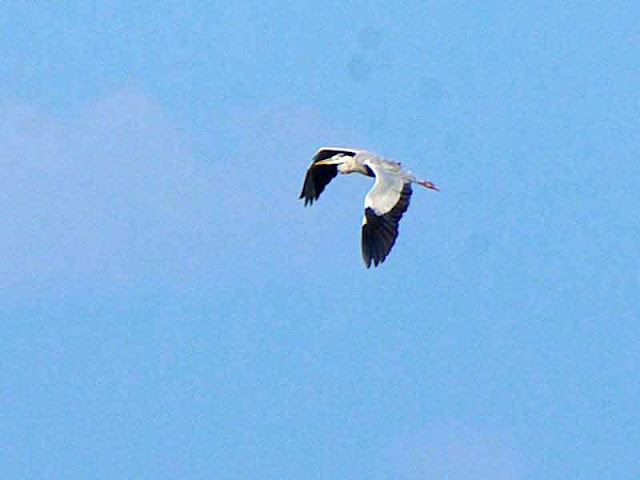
[{"x": 385, "y": 203}]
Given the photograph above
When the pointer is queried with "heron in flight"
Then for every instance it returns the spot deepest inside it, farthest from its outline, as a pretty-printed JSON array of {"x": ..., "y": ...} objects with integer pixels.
[{"x": 384, "y": 204}]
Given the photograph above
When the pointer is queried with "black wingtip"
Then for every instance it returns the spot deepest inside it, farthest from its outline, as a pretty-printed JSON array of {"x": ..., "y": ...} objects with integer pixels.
[
  {"x": 316, "y": 180},
  {"x": 379, "y": 232}
]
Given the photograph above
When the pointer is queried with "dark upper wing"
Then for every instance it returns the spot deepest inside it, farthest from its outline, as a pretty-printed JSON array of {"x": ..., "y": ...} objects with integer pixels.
[
  {"x": 384, "y": 206},
  {"x": 316, "y": 179},
  {"x": 319, "y": 176}
]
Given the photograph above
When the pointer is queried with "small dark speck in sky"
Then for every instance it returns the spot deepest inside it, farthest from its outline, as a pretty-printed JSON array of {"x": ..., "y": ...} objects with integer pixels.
[
  {"x": 359, "y": 68},
  {"x": 370, "y": 38}
]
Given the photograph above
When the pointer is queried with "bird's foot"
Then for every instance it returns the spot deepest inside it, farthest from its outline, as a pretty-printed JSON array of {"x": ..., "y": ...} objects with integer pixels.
[{"x": 430, "y": 185}]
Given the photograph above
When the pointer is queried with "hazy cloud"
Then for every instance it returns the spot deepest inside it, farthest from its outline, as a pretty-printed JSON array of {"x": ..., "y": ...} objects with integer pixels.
[
  {"x": 110, "y": 196},
  {"x": 115, "y": 198}
]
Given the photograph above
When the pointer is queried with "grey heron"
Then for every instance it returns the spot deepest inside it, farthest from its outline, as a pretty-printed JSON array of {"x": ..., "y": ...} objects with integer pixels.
[{"x": 385, "y": 203}]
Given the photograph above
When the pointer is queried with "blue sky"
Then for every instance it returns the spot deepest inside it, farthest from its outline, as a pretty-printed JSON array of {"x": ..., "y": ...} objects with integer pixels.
[{"x": 171, "y": 310}]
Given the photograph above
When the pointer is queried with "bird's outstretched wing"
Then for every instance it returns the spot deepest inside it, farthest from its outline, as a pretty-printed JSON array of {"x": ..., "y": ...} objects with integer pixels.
[
  {"x": 384, "y": 206},
  {"x": 323, "y": 169}
]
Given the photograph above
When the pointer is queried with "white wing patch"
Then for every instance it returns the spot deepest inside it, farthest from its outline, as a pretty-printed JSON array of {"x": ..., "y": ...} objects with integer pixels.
[{"x": 387, "y": 188}]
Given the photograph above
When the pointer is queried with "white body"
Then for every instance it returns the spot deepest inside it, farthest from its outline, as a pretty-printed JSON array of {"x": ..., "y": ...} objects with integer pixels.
[{"x": 384, "y": 204}]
